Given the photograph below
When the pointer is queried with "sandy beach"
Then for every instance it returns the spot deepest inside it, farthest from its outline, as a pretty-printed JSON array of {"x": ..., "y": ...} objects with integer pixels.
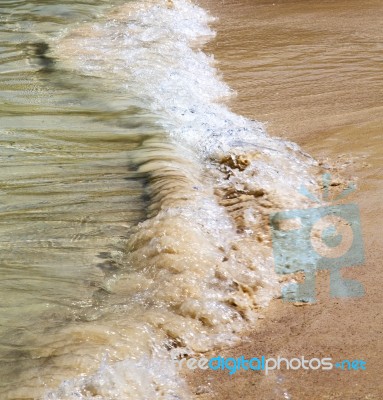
[{"x": 311, "y": 71}]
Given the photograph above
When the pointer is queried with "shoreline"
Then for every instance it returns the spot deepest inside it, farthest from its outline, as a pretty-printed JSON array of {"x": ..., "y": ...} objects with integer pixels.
[{"x": 349, "y": 143}]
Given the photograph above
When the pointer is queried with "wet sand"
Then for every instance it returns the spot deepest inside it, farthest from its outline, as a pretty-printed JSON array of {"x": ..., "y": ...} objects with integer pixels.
[{"x": 313, "y": 72}]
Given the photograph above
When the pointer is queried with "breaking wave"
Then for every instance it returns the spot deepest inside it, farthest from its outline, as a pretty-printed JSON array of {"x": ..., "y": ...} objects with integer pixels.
[{"x": 198, "y": 268}]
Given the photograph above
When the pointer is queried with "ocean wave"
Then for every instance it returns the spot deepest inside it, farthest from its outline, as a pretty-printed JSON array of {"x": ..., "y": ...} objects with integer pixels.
[{"x": 198, "y": 269}]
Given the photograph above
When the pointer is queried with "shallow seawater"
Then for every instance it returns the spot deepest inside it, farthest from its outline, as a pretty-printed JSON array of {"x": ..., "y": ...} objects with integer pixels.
[
  {"x": 68, "y": 192},
  {"x": 134, "y": 204}
]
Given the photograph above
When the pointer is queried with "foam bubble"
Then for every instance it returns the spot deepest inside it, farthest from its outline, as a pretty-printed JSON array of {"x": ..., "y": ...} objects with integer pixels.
[{"x": 199, "y": 268}]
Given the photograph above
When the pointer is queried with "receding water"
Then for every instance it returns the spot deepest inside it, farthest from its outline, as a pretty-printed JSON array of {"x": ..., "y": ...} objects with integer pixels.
[{"x": 68, "y": 190}]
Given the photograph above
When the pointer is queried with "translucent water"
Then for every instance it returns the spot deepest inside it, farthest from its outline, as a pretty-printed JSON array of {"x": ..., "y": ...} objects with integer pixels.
[{"x": 134, "y": 203}]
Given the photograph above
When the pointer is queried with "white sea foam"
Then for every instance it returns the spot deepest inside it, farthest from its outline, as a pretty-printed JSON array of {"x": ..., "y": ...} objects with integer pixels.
[{"x": 198, "y": 269}]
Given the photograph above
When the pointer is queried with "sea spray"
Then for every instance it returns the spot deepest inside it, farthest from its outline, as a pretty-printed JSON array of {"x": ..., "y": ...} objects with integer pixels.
[{"x": 198, "y": 268}]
